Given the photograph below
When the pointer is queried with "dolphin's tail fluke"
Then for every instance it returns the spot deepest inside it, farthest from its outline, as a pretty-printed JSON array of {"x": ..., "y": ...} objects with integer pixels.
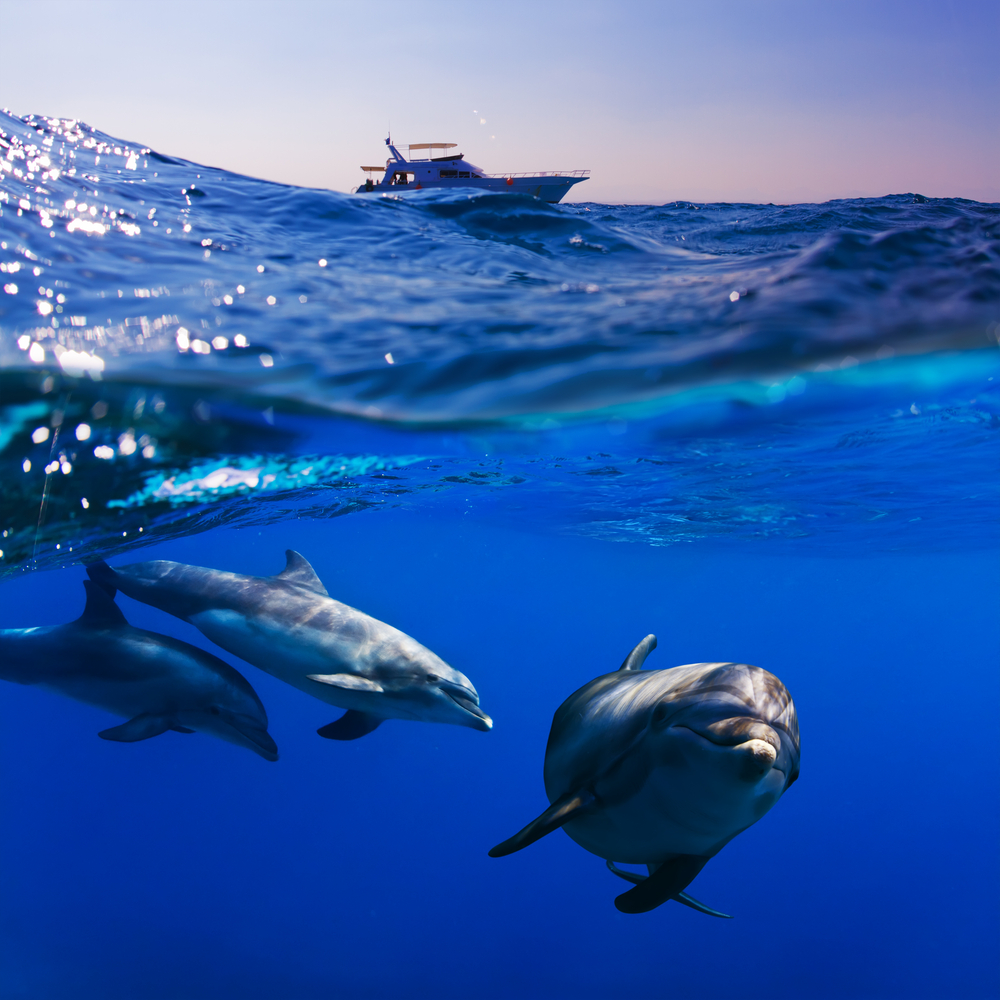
[{"x": 104, "y": 576}]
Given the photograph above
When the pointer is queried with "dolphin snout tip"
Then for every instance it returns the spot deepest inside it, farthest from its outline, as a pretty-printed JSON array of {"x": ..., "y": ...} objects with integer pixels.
[
  {"x": 758, "y": 758},
  {"x": 483, "y": 723},
  {"x": 468, "y": 701}
]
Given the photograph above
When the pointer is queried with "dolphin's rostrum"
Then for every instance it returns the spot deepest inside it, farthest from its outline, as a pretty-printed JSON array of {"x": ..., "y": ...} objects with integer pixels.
[
  {"x": 156, "y": 682},
  {"x": 289, "y": 626},
  {"x": 664, "y": 768}
]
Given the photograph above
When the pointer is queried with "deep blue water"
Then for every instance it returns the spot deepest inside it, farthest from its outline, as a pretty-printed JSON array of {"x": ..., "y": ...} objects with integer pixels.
[{"x": 527, "y": 435}]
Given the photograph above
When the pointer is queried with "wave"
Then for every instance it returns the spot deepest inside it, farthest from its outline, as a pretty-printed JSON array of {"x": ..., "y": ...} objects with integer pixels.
[{"x": 176, "y": 315}]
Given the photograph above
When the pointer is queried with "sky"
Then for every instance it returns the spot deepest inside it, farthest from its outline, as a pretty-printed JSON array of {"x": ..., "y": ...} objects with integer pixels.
[{"x": 717, "y": 100}]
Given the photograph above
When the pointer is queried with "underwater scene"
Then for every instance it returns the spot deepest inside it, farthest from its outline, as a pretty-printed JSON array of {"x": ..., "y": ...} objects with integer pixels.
[{"x": 349, "y": 546}]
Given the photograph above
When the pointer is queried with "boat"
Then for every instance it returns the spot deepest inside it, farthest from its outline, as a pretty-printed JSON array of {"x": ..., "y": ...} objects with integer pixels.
[{"x": 453, "y": 170}]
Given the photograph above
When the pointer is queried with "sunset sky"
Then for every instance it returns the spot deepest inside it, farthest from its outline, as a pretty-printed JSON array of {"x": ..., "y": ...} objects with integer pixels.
[{"x": 706, "y": 101}]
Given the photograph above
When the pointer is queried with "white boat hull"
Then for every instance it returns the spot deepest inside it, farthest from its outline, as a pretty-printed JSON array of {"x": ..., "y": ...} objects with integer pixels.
[{"x": 548, "y": 189}]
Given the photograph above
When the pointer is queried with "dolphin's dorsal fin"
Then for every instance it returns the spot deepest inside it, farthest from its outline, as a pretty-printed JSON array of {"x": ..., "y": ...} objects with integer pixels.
[
  {"x": 298, "y": 571},
  {"x": 637, "y": 657},
  {"x": 100, "y": 572},
  {"x": 101, "y": 610}
]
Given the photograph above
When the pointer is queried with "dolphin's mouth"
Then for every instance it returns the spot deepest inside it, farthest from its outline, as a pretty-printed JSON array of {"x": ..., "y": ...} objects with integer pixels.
[
  {"x": 753, "y": 742},
  {"x": 257, "y": 739},
  {"x": 468, "y": 702},
  {"x": 735, "y": 731}
]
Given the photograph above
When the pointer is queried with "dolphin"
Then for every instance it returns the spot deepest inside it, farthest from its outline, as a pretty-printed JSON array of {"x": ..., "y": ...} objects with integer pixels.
[
  {"x": 154, "y": 681},
  {"x": 289, "y": 626},
  {"x": 664, "y": 768}
]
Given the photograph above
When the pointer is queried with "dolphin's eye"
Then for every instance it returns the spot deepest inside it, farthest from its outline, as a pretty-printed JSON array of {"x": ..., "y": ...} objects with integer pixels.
[
  {"x": 660, "y": 715},
  {"x": 432, "y": 678}
]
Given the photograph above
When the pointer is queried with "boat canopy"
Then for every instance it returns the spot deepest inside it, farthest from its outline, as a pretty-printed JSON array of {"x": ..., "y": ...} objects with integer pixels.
[{"x": 432, "y": 145}]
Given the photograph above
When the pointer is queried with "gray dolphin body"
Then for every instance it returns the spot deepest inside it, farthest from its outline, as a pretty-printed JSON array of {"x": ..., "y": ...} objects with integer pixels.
[
  {"x": 664, "y": 768},
  {"x": 154, "y": 681},
  {"x": 289, "y": 626}
]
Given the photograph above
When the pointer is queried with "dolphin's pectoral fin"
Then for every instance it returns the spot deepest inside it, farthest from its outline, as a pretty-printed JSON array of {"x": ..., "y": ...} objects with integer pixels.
[
  {"x": 560, "y": 812},
  {"x": 634, "y": 877},
  {"x": 682, "y": 897},
  {"x": 100, "y": 610},
  {"x": 298, "y": 571},
  {"x": 351, "y": 725},
  {"x": 637, "y": 657},
  {"x": 667, "y": 882},
  {"x": 142, "y": 727},
  {"x": 181, "y": 729},
  {"x": 349, "y": 682}
]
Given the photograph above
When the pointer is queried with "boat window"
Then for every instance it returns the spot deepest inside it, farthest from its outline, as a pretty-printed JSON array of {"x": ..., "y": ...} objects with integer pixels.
[
  {"x": 450, "y": 173},
  {"x": 463, "y": 173}
]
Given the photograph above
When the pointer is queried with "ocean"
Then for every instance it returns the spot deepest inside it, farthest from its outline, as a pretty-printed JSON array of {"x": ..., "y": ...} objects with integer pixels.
[{"x": 527, "y": 435}]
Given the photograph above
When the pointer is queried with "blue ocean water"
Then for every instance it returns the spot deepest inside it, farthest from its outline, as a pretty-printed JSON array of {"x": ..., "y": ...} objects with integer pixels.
[{"x": 527, "y": 435}]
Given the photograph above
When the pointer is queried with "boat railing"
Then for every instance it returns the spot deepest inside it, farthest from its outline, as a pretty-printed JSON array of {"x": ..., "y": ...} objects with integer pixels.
[{"x": 545, "y": 173}]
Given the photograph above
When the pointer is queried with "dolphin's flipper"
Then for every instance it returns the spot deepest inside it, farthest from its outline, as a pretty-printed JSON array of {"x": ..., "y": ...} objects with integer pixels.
[
  {"x": 100, "y": 610},
  {"x": 634, "y": 877},
  {"x": 351, "y": 725},
  {"x": 637, "y": 657},
  {"x": 682, "y": 897},
  {"x": 142, "y": 727},
  {"x": 349, "y": 682},
  {"x": 561, "y": 811},
  {"x": 667, "y": 882},
  {"x": 298, "y": 571},
  {"x": 101, "y": 573}
]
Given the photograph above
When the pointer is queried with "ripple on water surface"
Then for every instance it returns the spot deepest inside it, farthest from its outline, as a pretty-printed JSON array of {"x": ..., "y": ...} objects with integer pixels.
[{"x": 184, "y": 347}]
